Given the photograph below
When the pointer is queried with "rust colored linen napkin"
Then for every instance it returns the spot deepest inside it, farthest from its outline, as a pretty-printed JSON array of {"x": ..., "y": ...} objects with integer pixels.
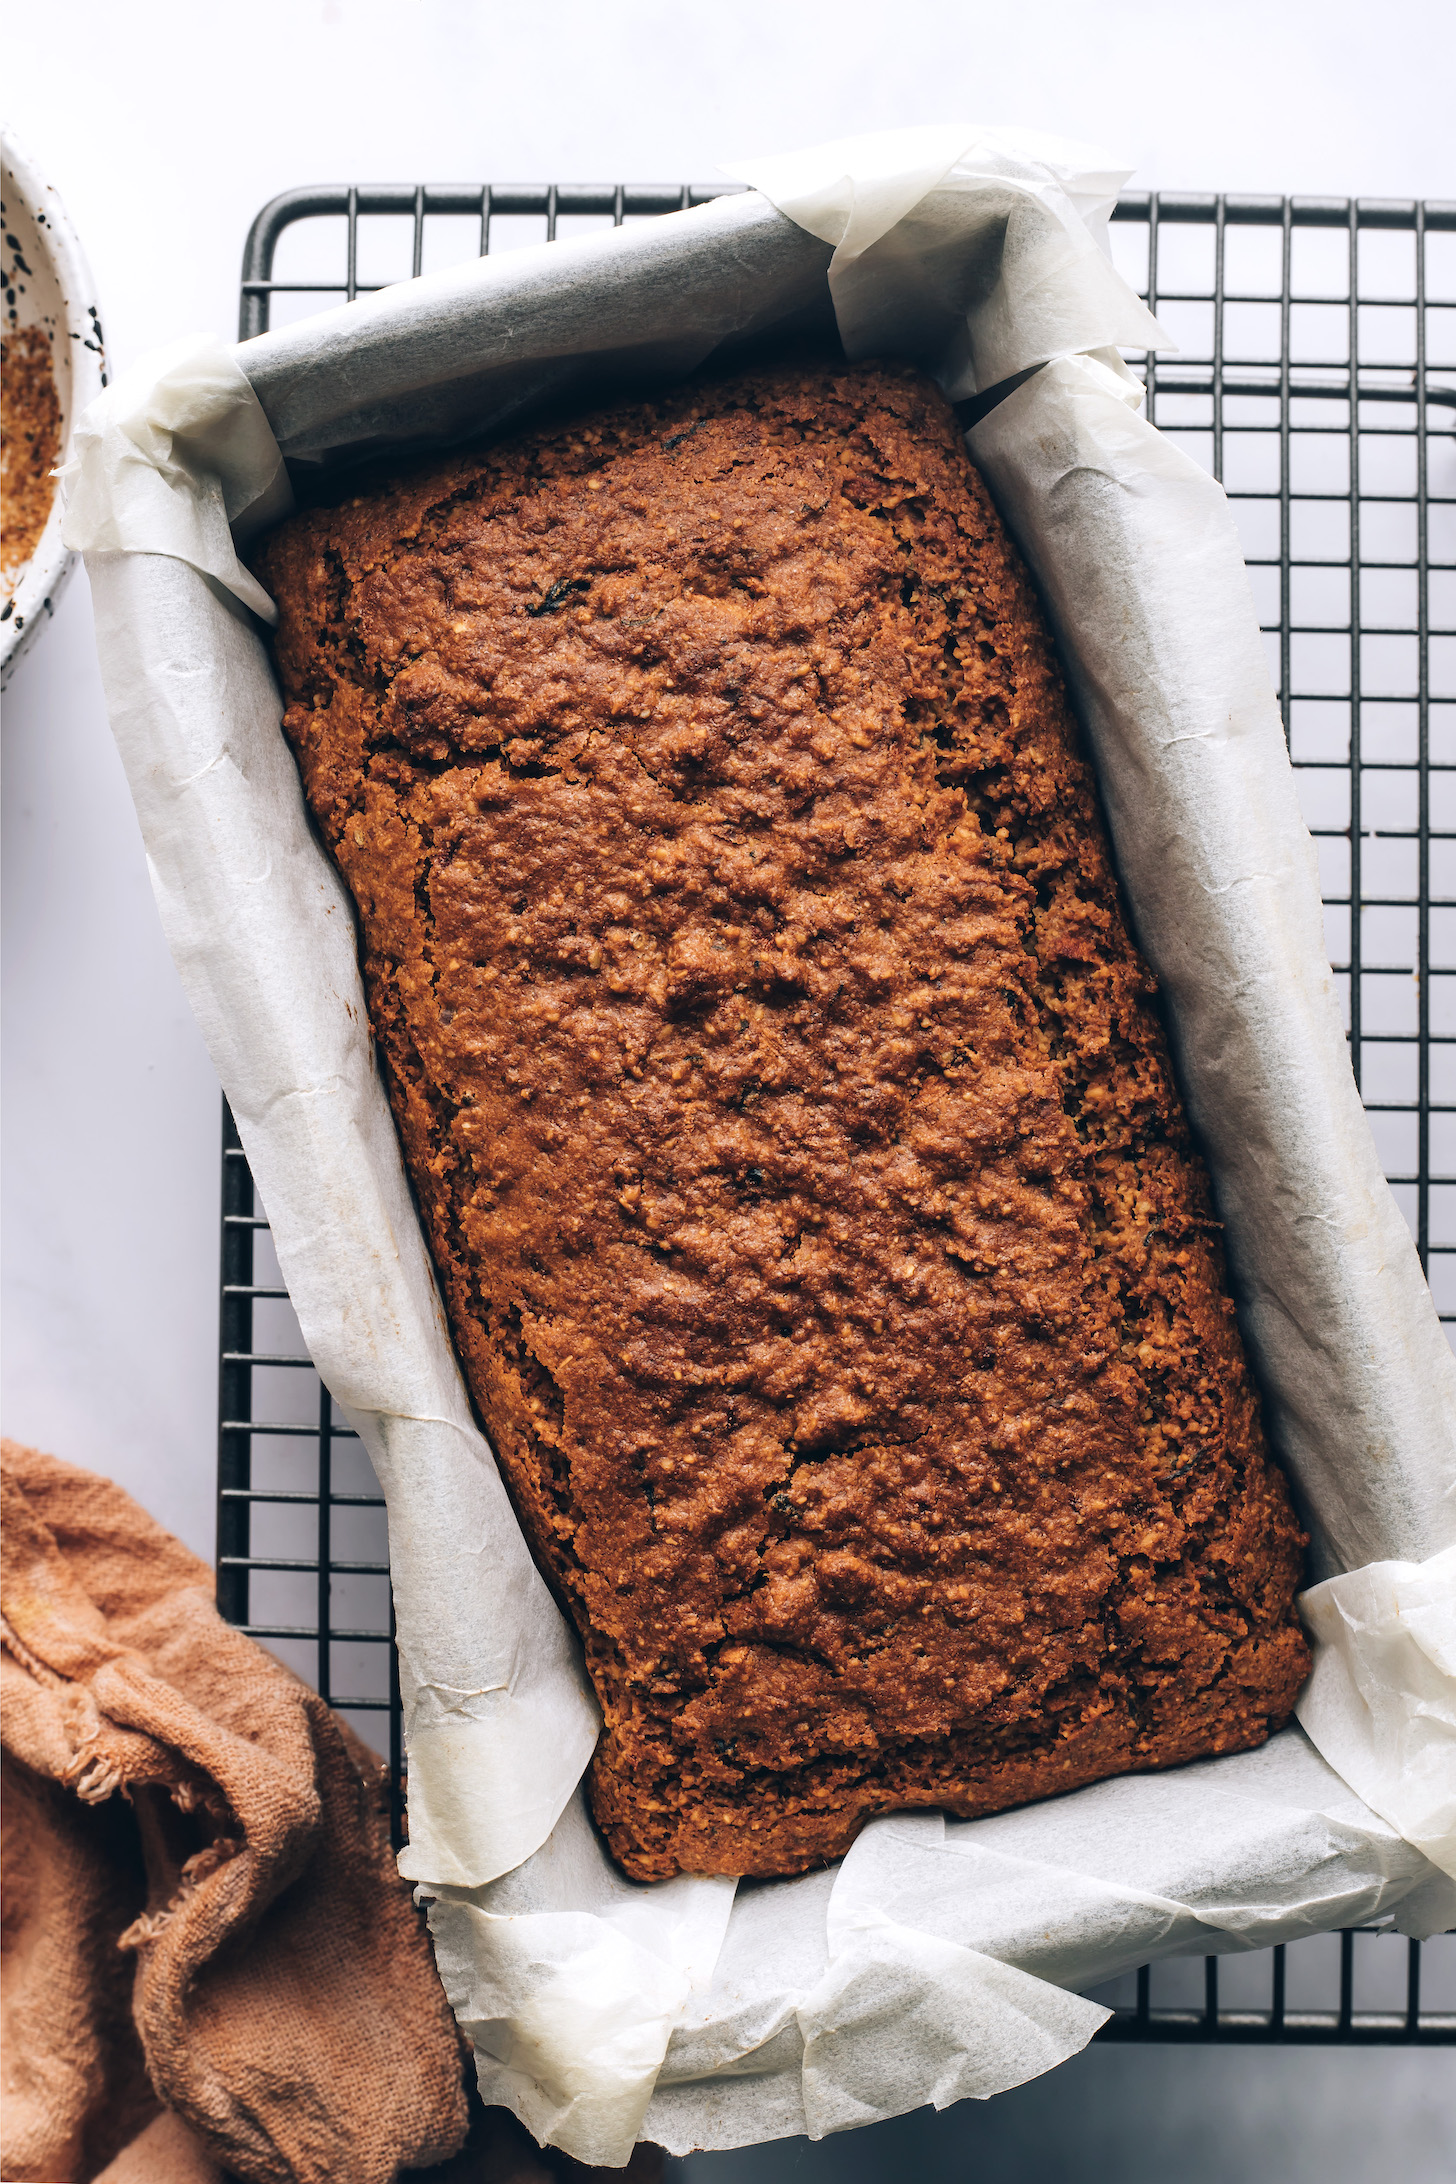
[{"x": 209, "y": 1961}]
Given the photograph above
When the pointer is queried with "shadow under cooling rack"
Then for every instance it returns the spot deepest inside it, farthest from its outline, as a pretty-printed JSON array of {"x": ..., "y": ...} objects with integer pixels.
[{"x": 1316, "y": 378}]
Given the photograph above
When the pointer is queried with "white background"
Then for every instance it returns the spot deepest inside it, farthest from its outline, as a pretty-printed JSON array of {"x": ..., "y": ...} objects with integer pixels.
[{"x": 165, "y": 125}]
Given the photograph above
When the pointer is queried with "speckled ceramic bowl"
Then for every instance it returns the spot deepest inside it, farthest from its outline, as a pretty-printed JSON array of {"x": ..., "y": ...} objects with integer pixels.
[{"x": 46, "y": 283}]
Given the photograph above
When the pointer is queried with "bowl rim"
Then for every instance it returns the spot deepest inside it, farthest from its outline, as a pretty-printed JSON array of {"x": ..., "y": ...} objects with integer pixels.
[{"x": 33, "y": 601}]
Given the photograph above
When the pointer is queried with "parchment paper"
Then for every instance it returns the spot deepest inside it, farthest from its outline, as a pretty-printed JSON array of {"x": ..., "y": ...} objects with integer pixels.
[{"x": 938, "y": 1960}]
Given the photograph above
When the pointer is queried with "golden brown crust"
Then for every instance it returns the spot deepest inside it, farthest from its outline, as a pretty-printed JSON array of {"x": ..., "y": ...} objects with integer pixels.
[{"x": 789, "y": 1114}]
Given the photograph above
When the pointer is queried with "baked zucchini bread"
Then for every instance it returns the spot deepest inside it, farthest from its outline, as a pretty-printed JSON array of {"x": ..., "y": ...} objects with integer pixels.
[{"x": 789, "y": 1113}]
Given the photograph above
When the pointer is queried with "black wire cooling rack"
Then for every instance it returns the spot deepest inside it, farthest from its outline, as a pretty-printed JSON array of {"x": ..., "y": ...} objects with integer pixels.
[{"x": 1316, "y": 376}]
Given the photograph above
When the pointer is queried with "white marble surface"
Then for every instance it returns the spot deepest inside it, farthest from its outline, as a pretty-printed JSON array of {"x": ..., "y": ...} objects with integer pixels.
[{"x": 1160, "y": 2115}]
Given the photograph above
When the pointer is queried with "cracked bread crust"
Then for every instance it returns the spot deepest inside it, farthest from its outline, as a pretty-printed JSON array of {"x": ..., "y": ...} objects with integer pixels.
[{"x": 789, "y": 1114}]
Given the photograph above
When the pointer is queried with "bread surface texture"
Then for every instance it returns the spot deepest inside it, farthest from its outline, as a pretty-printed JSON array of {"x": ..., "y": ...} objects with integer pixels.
[{"x": 789, "y": 1113}]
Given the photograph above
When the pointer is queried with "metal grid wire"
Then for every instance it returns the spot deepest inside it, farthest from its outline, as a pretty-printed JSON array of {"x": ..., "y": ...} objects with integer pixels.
[{"x": 1316, "y": 377}]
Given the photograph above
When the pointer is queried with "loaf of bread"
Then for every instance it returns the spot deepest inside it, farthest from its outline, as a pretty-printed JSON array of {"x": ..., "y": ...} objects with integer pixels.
[{"x": 789, "y": 1113}]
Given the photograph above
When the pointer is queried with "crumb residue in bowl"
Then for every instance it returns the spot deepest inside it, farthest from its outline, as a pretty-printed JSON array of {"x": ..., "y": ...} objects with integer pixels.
[{"x": 30, "y": 446}]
